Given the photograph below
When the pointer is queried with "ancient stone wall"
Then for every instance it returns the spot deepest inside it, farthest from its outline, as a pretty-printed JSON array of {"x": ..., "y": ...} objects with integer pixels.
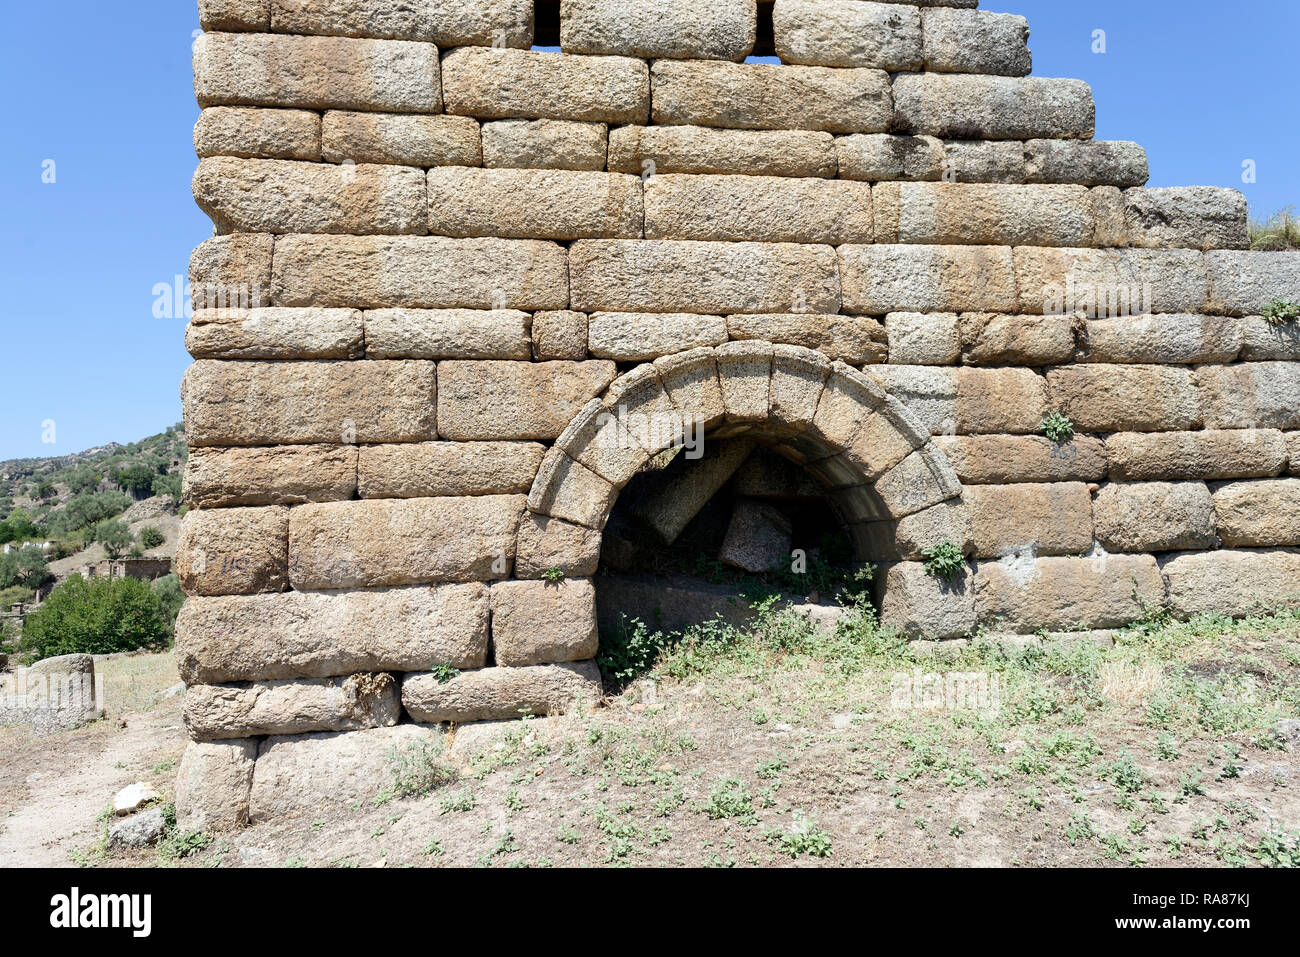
[{"x": 443, "y": 260}]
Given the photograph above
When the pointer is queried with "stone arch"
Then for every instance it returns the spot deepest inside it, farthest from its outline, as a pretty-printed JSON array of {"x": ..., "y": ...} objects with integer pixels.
[{"x": 876, "y": 460}]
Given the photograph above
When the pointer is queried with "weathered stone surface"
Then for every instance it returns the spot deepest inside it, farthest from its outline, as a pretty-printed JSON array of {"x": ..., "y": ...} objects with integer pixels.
[
  {"x": 427, "y": 469},
  {"x": 1086, "y": 162},
  {"x": 516, "y": 400},
  {"x": 968, "y": 401},
  {"x": 52, "y": 696},
  {"x": 889, "y": 278},
  {"x": 448, "y": 334},
  {"x": 648, "y": 150},
  {"x": 957, "y": 214},
  {"x": 1264, "y": 340},
  {"x": 502, "y": 22},
  {"x": 497, "y": 84},
  {"x": 1250, "y": 395},
  {"x": 984, "y": 161},
  {"x": 1173, "y": 338},
  {"x": 213, "y": 784},
  {"x": 704, "y": 277},
  {"x": 1194, "y": 217},
  {"x": 1000, "y": 459},
  {"x": 923, "y": 606},
  {"x": 279, "y": 475},
  {"x": 234, "y": 551},
  {"x": 766, "y": 96},
  {"x": 670, "y": 508},
  {"x": 139, "y": 830},
  {"x": 1154, "y": 516},
  {"x": 1236, "y": 583},
  {"x": 533, "y": 204},
  {"x": 403, "y": 541},
  {"x": 235, "y": 15},
  {"x": 988, "y": 339},
  {"x": 1211, "y": 454},
  {"x": 720, "y": 30},
  {"x": 798, "y": 379},
  {"x": 269, "y": 403},
  {"x": 326, "y": 634},
  {"x": 911, "y": 536},
  {"x": 499, "y": 693},
  {"x": 231, "y": 272},
  {"x": 254, "y": 133},
  {"x": 560, "y": 334},
  {"x": 745, "y": 375},
  {"x": 1104, "y": 283},
  {"x": 764, "y": 208},
  {"x": 857, "y": 340},
  {"x": 247, "y": 709},
  {"x": 848, "y": 33},
  {"x": 921, "y": 480},
  {"x": 638, "y": 337},
  {"x": 974, "y": 41},
  {"x": 430, "y": 272},
  {"x": 1035, "y": 519},
  {"x": 880, "y": 157},
  {"x": 404, "y": 139},
  {"x": 547, "y": 544},
  {"x": 971, "y": 107},
  {"x": 312, "y": 773},
  {"x": 1261, "y": 513},
  {"x": 545, "y": 144},
  {"x": 540, "y": 622},
  {"x": 316, "y": 73},
  {"x": 1128, "y": 398},
  {"x": 1247, "y": 283},
  {"x": 757, "y": 539},
  {"x": 1027, "y": 594},
  {"x": 570, "y": 491},
  {"x": 923, "y": 339},
  {"x": 285, "y": 196},
  {"x": 690, "y": 379},
  {"x": 275, "y": 333}
]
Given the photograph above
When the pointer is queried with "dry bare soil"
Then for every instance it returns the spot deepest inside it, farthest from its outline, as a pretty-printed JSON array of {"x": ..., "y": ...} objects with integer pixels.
[{"x": 778, "y": 745}]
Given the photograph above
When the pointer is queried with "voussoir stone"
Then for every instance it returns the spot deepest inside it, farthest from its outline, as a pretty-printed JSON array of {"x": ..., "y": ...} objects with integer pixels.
[
  {"x": 542, "y": 622},
  {"x": 490, "y": 694},
  {"x": 234, "y": 551},
  {"x": 276, "y": 475},
  {"x": 213, "y": 712}
]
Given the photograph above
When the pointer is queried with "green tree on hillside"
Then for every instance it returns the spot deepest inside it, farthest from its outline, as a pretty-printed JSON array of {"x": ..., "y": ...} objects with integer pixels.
[
  {"x": 83, "y": 479},
  {"x": 137, "y": 479},
  {"x": 114, "y": 536},
  {"x": 26, "y": 567},
  {"x": 99, "y": 616}
]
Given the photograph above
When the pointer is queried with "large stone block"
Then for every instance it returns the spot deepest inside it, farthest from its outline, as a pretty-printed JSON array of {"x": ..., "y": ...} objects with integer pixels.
[
  {"x": 704, "y": 277},
  {"x": 1261, "y": 513},
  {"x": 720, "y": 30},
  {"x": 1034, "y": 519},
  {"x": 989, "y": 339},
  {"x": 326, "y": 634},
  {"x": 1247, "y": 283},
  {"x": 765, "y": 96},
  {"x": 499, "y": 84},
  {"x": 672, "y": 505},
  {"x": 275, "y": 333},
  {"x": 261, "y": 134},
  {"x": 856, "y": 340},
  {"x": 403, "y": 541},
  {"x": 923, "y": 339},
  {"x": 648, "y": 150},
  {"x": 1002, "y": 459},
  {"x": 549, "y": 544},
  {"x": 231, "y": 272},
  {"x": 235, "y": 15},
  {"x": 534, "y": 204},
  {"x": 848, "y": 33},
  {"x": 1172, "y": 338},
  {"x": 480, "y": 22},
  {"x": 213, "y": 784},
  {"x": 285, "y": 196},
  {"x": 1264, "y": 340},
  {"x": 757, "y": 539},
  {"x": 882, "y": 157},
  {"x": 448, "y": 334},
  {"x": 1209, "y": 454},
  {"x": 234, "y": 551},
  {"x": 429, "y": 469},
  {"x": 642, "y": 336},
  {"x": 1154, "y": 516},
  {"x": 890, "y": 278},
  {"x": 568, "y": 490},
  {"x": 278, "y": 475},
  {"x": 776, "y": 209},
  {"x": 316, "y": 73},
  {"x": 271, "y": 403},
  {"x": 975, "y": 41},
  {"x": 983, "y": 161},
  {"x": 516, "y": 400},
  {"x": 1026, "y": 594},
  {"x": 968, "y": 107},
  {"x": 1236, "y": 583},
  {"x": 1250, "y": 395},
  {"x": 542, "y": 623},
  {"x": 430, "y": 272},
  {"x": 545, "y": 144},
  {"x": 967, "y": 401},
  {"x": 1105, "y": 283},
  {"x": 214, "y": 712},
  {"x": 1086, "y": 162},
  {"x": 404, "y": 139},
  {"x": 560, "y": 334},
  {"x": 958, "y": 214},
  {"x": 1192, "y": 217},
  {"x": 492, "y": 694},
  {"x": 923, "y": 606},
  {"x": 1126, "y": 398}
]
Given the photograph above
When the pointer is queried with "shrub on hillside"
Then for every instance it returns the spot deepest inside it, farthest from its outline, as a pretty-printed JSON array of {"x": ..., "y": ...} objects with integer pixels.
[
  {"x": 137, "y": 479},
  {"x": 151, "y": 537},
  {"x": 114, "y": 536},
  {"x": 97, "y": 617},
  {"x": 85, "y": 510}
]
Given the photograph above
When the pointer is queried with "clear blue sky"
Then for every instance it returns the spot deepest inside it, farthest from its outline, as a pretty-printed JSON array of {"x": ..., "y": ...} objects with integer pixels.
[{"x": 104, "y": 90}]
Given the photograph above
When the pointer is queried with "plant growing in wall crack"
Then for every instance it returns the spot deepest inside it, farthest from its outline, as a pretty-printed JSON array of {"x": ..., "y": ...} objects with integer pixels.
[
  {"x": 1057, "y": 427},
  {"x": 944, "y": 561},
  {"x": 1281, "y": 311}
]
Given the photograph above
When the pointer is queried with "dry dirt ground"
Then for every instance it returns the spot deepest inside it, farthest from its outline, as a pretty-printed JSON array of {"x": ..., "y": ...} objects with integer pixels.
[{"x": 779, "y": 746}]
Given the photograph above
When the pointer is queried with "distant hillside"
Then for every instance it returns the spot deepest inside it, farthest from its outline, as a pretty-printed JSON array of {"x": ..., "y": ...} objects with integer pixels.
[{"x": 51, "y": 481}]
